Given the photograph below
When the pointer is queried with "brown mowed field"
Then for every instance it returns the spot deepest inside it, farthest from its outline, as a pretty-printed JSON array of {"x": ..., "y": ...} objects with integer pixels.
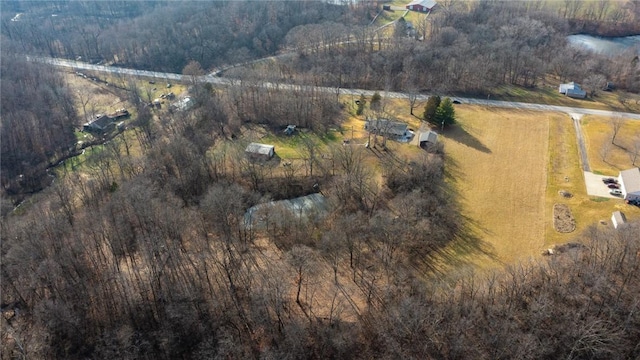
[
  {"x": 498, "y": 160},
  {"x": 607, "y": 158}
]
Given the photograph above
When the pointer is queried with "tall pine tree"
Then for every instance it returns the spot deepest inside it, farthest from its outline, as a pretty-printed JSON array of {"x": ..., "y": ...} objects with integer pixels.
[
  {"x": 430, "y": 109},
  {"x": 445, "y": 114}
]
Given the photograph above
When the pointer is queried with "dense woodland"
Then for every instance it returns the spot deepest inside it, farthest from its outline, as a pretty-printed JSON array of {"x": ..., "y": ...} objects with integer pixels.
[
  {"x": 38, "y": 120},
  {"x": 148, "y": 255},
  {"x": 164, "y": 36},
  {"x": 460, "y": 50}
]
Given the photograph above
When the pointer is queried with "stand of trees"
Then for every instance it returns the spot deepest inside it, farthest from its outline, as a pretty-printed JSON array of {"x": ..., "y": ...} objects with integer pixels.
[
  {"x": 459, "y": 49},
  {"x": 38, "y": 121},
  {"x": 135, "y": 273},
  {"x": 163, "y": 36}
]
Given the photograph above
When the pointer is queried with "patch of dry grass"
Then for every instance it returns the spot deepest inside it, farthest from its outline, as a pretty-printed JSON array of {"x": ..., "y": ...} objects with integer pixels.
[
  {"x": 498, "y": 159},
  {"x": 607, "y": 158},
  {"x": 98, "y": 98}
]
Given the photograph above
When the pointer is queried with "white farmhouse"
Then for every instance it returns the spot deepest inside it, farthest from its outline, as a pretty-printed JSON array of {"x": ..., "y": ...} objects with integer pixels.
[{"x": 630, "y": 184}]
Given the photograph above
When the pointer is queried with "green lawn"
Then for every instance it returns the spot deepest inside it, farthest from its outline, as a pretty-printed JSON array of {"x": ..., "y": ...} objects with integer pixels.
[{"x": 291, "y": 146}]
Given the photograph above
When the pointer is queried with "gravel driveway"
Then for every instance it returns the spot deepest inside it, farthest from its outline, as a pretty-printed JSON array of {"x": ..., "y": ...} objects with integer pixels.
[{"x": 595, "y": 186}]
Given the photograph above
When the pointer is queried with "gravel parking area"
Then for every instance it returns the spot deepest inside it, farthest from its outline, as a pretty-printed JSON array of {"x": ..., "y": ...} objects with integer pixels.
[{"x": 595, "y": 186}]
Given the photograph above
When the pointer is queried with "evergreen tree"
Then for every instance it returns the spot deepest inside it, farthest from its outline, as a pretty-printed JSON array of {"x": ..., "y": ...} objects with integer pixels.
[
  {"x": 445, "y": 114},
  {"x": 430, "y": 109},
  {"x": 376, "y": 99}
]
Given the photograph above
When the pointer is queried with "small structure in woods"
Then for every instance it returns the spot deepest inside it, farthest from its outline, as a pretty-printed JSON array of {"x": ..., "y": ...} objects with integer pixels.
[
  {"x": 259, "y": 151},
  {"x": 278, "y": 213},
  {"x": 290, "y": 130}
]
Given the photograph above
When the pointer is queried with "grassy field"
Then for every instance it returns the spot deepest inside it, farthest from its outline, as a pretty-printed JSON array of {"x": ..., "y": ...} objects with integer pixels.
[
  {"x": 499, "y": 160},
  {"x": 604, "y": 157}
]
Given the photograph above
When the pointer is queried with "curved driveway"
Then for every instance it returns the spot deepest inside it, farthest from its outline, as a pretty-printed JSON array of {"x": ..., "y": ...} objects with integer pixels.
[{"x": 395, "y": 95}]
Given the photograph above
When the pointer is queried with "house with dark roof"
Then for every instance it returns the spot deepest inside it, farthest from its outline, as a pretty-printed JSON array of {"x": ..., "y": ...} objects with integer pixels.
[
  {"x": 102, "y": 123},
  {"x": 572, "y": 90},
  {"x": 629, "y": 181}
]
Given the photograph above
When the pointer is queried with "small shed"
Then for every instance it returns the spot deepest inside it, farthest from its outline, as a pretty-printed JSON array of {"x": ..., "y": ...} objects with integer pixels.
[
  {"x": 572, "y": 90},
  {"x": 290, "y": 130},
  {"x": 260, "y": 151},
  {"x": 421, "y": 5},
  {"x": 618, "y": 219},
  {"x": 427, "y": 139},
  {"x": 630, "y": 184}
]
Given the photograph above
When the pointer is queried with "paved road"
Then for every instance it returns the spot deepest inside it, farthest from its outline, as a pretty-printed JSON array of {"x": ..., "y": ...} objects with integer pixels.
[{"x": 355, "y": 92}]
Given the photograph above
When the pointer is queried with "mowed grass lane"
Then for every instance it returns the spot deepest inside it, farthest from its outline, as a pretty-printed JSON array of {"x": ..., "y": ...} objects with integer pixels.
[{"x": 498, "y": 160}]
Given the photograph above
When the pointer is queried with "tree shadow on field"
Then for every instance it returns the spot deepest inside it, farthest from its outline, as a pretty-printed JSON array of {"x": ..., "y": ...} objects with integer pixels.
[
  {"x": 460, "y": 134},
  {"x": 462, "y": 251}
]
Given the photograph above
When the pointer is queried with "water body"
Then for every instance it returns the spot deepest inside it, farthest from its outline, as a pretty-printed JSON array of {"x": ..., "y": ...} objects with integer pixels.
[{"x": 612, "y": 46}]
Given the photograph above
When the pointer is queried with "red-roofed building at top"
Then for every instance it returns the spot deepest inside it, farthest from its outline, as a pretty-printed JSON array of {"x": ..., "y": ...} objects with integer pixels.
[{"x": 421, "y": 5}]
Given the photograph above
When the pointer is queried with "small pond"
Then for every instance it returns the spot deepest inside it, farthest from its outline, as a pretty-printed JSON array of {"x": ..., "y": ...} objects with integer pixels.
[{"x": 602, "y": 45}]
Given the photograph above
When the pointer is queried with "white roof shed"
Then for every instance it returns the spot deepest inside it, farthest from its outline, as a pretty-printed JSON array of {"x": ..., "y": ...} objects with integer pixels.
[{"x": 260, "y": 149}]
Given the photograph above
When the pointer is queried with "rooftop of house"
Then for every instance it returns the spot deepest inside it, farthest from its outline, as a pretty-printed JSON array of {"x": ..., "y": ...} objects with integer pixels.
[
  {"x": 386, "y": 126},
  {"x": 426, "y": 3},
  {"x": 429, "y": 136},
  {"x": 262, "y": 149},
  {"x": 630, "y": 180}
]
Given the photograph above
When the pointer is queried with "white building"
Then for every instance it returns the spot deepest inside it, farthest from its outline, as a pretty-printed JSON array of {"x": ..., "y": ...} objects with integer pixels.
[
  {"x": 572, "y": 90},
  {"x": 630, "y": 184},
  {"x": 618, "y": 219},
  {"x": 427, "y": 138},
  {"x": 260, "y": 150}
]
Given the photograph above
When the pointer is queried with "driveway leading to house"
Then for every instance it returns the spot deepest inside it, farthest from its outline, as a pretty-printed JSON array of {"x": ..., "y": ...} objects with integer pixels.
[
  {"x": 595, "y": 186},
  {"x": 582, "y": 148}
]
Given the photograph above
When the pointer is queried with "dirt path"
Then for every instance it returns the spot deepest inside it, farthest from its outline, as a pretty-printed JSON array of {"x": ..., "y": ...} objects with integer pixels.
[{"x": 582, "y": 148}]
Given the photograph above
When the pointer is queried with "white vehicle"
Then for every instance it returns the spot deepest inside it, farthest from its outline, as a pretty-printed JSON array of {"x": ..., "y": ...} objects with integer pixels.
[{"x": 615, "y": 192}]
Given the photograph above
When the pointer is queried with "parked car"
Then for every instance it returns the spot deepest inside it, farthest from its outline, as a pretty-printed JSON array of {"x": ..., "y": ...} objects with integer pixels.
[
  {"x": 613, "y": 186},
  {"x": 609, "y": 181},
  {"x": 615, "y": 192}
]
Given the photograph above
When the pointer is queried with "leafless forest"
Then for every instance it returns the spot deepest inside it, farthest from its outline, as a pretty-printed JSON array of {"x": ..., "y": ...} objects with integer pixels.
[{"x": 149, "y": 256}]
